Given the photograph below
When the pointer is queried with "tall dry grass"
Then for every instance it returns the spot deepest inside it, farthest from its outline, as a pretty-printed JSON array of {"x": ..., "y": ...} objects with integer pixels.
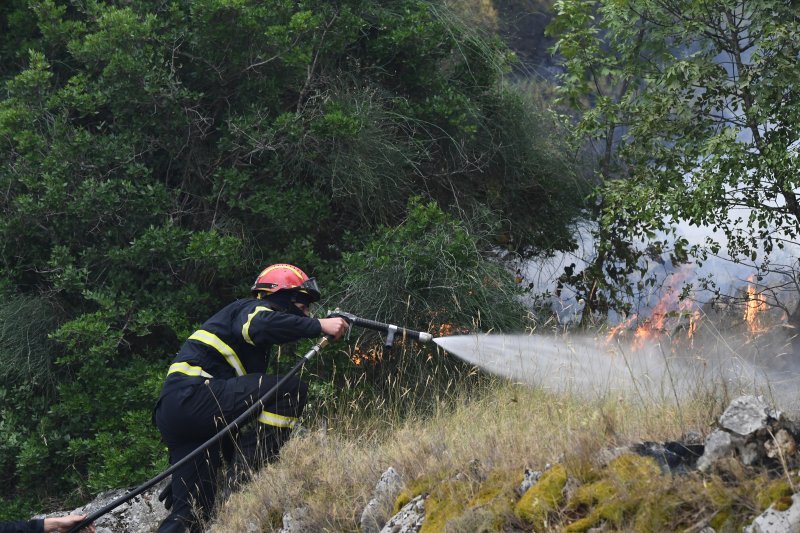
[{"x": 331, "y": 470}]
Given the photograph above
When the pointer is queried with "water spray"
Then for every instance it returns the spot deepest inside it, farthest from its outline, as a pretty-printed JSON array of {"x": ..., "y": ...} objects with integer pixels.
[{"x": 596, "y": 368}]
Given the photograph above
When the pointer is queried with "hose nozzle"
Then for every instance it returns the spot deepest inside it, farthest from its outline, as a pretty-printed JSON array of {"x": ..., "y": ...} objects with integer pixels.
[{"x": 389, "y": 329}]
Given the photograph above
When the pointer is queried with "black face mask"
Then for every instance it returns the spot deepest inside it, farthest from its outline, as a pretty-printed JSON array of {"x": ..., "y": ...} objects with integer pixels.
[{"x": 284, "y": 301}]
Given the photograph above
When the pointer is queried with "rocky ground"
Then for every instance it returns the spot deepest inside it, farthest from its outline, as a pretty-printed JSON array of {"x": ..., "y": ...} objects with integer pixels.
[{"x": 752, "y": 453}]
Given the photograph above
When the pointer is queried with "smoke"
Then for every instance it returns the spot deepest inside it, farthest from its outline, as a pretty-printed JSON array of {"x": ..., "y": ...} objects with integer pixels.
[
  {"x": 729, "y": 274},
  {"x": 595, "y": 368}
]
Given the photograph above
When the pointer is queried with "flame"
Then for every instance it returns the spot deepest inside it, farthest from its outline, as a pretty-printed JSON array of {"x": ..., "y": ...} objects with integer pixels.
[
  {"x": 360, "y": 356},
  {"x": 754, "y": 309},
  {"x": 621, "y": 327},
  {"x": 693, "y": 323},
  {"x": 667, "y": 315},
  {"x": 447, "y": 330}
]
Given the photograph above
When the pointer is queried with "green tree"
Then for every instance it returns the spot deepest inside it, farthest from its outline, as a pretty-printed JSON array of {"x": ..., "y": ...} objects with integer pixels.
[
  {"x": 155, "y": 154},
  {"x": 699, "y": 102}
]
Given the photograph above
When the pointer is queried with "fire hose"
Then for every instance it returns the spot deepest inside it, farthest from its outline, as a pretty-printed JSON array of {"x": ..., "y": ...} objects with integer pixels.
[{"x": 390, "y": 330}]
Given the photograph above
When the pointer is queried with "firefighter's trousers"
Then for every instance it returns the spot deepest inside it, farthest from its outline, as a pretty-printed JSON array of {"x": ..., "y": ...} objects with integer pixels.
[{"x": 189, "y": 416}]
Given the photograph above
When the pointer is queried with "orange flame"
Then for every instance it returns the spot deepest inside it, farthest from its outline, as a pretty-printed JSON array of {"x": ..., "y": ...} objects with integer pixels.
[
  {"x": 446, "y": 330},
  {"x": 754, "y": 309},
  {"x": 665, "y": 316},
  {"x": 359, "y": 356},
  {"x": 619, "y": 328},
  {"x": 693, "y": 323}
]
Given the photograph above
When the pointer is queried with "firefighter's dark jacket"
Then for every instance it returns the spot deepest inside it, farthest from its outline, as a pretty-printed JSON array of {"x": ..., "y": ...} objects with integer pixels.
[
  {"x": 235, "y": 341},
  {"x": 25, "y": 526}
]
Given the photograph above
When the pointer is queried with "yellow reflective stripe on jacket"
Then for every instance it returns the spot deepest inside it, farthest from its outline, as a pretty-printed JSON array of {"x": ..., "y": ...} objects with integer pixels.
[
  {"x": 185, "y": 368},
  {"x": 215, "y": 342},
  {"x": 246, "y": 326},
  {"x": 273, "y": 419}
]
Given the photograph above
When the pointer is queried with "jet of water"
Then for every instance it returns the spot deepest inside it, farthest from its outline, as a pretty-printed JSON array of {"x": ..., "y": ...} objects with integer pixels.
[{"x": 594, "y": 367}]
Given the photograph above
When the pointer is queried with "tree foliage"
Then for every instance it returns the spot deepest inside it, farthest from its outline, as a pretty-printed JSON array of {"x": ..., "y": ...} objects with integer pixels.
[
  {"x": 430, "y": 271},
  {"x": 696, "y": 109},
  {"x": 156, "y": 154}
]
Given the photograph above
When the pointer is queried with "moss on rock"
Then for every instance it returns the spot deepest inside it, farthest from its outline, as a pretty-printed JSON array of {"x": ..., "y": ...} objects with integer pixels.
[
  {"x": 777, "y": 494},
  {"x": 419, "y": 486},
  {"x": 631, "y": 493},
  {"x": 446, "y": 501},
  {"x": 543, "y": 498},
  {"x": 464, "y": 505},
  {"x": 615, "y": 497}
]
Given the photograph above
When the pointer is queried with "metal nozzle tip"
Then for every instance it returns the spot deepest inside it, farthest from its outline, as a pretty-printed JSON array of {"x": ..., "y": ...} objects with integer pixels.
[{"x": 425, "y": 337}]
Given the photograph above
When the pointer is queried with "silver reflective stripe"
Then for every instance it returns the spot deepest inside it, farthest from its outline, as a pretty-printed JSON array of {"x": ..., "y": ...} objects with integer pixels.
[
  {"x": 190, "y": 370},
  {"x": 273, "y": 419},
  {"x": 206, "y": 337},
  {"x": 246, "y": 327}
]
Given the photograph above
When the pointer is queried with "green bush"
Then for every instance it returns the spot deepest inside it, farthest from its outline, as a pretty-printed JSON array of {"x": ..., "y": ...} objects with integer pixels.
[{"x": 431, "y": 270}]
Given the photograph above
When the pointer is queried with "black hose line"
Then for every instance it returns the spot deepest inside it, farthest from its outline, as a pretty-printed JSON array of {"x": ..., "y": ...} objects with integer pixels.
[{"x": 257, "y": 406}]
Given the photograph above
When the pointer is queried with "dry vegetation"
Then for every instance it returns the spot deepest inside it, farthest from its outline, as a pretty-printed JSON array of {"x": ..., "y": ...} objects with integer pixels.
[
  {"x": 503, "y": 428},
  {"x": 465, "y": 438}
]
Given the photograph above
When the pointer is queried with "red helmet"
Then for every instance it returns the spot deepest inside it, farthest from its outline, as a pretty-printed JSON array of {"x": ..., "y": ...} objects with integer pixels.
[{"x": 283, "y": 277}]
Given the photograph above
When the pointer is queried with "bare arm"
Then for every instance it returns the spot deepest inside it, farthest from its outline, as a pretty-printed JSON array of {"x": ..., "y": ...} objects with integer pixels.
[{"x": 65, "y": 523}]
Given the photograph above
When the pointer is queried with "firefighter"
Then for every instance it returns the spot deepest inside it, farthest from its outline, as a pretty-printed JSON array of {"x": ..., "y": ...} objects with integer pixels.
[{"x": 218, "y": 373}]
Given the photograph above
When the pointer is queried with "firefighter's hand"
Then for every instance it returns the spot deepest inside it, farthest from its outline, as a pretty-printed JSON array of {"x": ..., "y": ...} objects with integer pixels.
[
  {"x": 65, "y": 523},
  {"x": 335, "y": 327}
]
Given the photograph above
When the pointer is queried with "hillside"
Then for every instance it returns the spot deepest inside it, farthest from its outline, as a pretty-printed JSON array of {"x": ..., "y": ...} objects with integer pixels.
[{"x": 470, "y": 458}]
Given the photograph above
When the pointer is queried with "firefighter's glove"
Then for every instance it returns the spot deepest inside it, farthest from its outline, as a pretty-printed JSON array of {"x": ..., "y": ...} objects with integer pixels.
[{"x": 166, "y": 496}]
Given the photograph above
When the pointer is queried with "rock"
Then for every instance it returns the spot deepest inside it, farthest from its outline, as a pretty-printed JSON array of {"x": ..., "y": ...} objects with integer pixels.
[
  {"x": 747, "y": 414},
  {"x": 750, "y": 453},
  {"x": 718, "y": 445},
  {"x": 772, "y": 521},
  {"x": 748, "y": 426},
  {"x": 782, "y": 446},
  {"x": 296, "y": 521},
  {"x": 142, "y": 514},
  {"x": 529, "y": 478},
  {"x": 409, "y": 519},
  {"x": 672, "y": 457},
  {"x": 379, "y": 508}
]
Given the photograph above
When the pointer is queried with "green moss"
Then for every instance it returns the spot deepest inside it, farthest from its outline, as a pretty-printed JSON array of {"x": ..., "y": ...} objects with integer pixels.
[
  {"x": 629, "y": 494},
  {"x": 463, "y": 505},
  {"x": 632, "y": 469},
  {"x": 499, "y": 485},
  {"x": 721, "y": 520},
  {"x": 617, "y": 496},
  {"x": 419, "y": 486},
  {"x": 496, "y": 499},
  {"x": 777, "y": 493},
  {"x": 656, "y": 513},
  {"x": 447, "y": 501},
  {"x": 544, "y": 497}
]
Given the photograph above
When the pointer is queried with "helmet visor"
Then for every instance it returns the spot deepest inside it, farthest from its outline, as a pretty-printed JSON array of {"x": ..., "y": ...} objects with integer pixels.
[{"x": 310, "y": 289}]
